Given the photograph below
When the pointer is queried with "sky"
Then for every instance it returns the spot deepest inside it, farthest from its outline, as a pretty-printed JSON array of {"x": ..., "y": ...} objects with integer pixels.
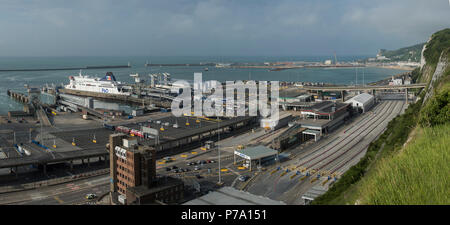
[{"x": 215, "y": 27}]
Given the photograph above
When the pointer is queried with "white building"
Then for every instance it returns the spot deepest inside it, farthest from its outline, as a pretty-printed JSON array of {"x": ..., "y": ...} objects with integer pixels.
[
  {"x": 382, "y": 57},
  {"x": 362, "y": 101},
  {"x": 398, "y": 81}
]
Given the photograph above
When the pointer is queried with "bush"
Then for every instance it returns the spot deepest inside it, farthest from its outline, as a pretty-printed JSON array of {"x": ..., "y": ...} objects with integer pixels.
[
  {"x": 439, "y": 41},
  {"x": 437, "y": 109}
]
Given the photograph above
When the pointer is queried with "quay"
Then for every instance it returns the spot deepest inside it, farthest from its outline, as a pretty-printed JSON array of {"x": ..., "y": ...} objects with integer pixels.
[{"x": 114, "y": 97}]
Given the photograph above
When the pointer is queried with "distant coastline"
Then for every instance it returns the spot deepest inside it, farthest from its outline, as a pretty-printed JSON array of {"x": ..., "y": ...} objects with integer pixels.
[{"x": 395, "y": 67}]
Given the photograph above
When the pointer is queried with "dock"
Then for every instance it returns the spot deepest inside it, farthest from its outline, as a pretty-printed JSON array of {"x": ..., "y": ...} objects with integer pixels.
[{"x": 115, "y": 97}]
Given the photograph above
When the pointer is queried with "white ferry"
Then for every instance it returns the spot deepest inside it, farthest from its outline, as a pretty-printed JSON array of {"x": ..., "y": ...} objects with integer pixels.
[{"x": 107, "y": 84}]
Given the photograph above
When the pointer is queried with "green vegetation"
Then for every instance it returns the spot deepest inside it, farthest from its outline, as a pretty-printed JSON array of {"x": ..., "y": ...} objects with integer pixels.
[
  {"x": 411, "y": 53},
  {"x": 437, "y": 110},
  {"x": 415, "y": 75},
  {"x": 439, "y": 41},
  {"x": 416, "y": 175}
]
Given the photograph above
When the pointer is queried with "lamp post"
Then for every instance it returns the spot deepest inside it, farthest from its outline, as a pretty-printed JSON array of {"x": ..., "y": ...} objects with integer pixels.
[{"x": 218, "y": 149}]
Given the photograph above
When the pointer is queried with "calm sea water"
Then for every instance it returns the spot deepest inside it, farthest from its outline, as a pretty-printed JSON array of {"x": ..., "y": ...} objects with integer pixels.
[{"x": 17, "y": 80}]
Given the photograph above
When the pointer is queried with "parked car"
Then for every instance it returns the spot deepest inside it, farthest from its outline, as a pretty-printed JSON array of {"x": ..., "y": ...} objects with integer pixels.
[
  {"x": 174, "y": 167},
  {"x": 198, "y": 176},
  {"x": 243, "y": 178},
  {"x": 168, "y": 169},
  {"x": 91, "y": 196},
  {"x": 196, "y": 168},
  {"x": 212, "y": 161}
]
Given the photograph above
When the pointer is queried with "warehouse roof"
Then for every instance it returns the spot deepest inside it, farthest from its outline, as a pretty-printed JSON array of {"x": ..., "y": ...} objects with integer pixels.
[
  {"x": 256, "y": 152},
  {"x": 232, "y": 196},
  {"x": 312, "y": 132},
  {"x": 361, "y": 98}
]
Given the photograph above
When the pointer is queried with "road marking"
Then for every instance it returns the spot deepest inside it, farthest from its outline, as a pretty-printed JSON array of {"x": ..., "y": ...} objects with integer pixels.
[
  {"x": 74, "y": 188},
  {"x": 58, "y": 199}
]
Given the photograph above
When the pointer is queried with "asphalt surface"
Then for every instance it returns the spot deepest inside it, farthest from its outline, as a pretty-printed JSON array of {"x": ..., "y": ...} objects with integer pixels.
[{"x": 62, "y": 194}]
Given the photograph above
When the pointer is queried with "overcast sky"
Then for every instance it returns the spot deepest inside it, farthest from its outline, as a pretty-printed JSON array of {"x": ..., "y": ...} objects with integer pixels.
[{"x": 214, "y": 28}]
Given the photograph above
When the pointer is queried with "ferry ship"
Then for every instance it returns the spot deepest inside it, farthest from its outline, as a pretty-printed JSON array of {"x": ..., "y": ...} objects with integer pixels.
[{"x": 107, "y": 84}]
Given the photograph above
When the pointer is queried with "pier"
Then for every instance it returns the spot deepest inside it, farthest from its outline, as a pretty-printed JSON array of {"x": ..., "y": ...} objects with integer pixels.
[{"x": 18, "y": 96}]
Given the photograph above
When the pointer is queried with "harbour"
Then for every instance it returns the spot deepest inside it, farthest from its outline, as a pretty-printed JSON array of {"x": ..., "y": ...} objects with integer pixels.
[{"x": 72, "y": 125}]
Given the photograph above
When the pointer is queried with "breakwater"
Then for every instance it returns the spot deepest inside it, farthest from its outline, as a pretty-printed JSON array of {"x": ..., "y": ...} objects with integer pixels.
[{"x": 65, "y": 68}]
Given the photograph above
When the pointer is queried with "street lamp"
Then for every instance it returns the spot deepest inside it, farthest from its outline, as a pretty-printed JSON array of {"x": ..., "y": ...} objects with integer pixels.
[{"x": 218, "y": 149}]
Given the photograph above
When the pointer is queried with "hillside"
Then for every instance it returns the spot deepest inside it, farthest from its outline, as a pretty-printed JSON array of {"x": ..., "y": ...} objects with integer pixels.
[
  {"x": 408, "y": 163},
  {"x": 411, "y": 53}
]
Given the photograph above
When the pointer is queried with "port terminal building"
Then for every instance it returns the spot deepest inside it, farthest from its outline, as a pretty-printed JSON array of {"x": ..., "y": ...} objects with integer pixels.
[
  {"x": 133, "y": 174},
  {"x": 362, "y": 102},
  {"x": 232, "y": 196},
  {"x": 323, "y": 117},
  {"x": 255, "y": 155},
  {"x": 179, "y": 134}
]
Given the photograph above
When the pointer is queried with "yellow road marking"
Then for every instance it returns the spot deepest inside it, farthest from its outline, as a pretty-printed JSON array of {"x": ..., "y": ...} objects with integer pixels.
[{"x": 58, "y": 199}]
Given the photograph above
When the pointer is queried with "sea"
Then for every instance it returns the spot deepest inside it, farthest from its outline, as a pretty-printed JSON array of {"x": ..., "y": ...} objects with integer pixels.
[{"x": 17, "y": 80}]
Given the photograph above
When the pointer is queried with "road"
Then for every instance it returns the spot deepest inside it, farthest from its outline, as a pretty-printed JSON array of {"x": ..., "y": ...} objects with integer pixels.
[{"x": 62, "y": 194}]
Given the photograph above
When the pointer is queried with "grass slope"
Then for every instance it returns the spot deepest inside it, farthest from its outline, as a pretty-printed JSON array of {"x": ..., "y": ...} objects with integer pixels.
[{"x": 419, "y": 174}]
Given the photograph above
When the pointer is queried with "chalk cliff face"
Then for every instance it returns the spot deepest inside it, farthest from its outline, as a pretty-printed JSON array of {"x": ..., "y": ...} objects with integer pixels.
[
  {"x": 422, "y": 59},
  {"x": 441, "y": 67}
]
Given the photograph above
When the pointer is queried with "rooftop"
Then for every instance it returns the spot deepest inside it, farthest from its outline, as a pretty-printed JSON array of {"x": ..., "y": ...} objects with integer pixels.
[
  {"x": 309, "y": 131},
  {"x": 326, "y": 107},
  {"x": 231, "y": 196},
  {"x": 257, "y": 152},
  {"x": 202, "y": 126},
  {"x": 362, "y": 98}
]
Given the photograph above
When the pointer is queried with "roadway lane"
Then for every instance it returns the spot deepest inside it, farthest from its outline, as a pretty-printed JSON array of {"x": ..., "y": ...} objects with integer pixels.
[{"x": 67, "y": 193}]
